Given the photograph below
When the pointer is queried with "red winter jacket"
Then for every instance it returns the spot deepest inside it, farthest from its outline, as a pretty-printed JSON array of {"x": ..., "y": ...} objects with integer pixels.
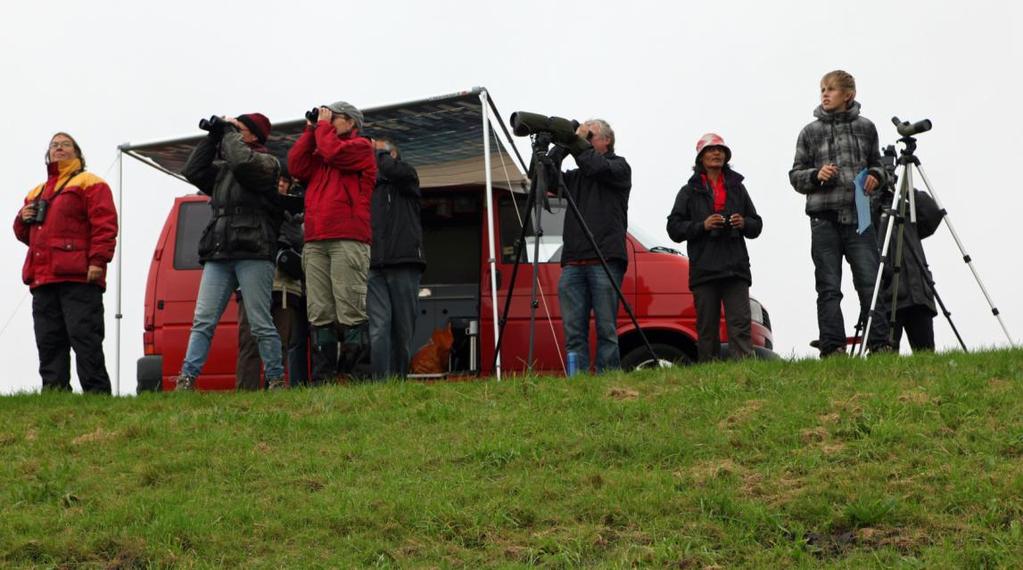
[
  {"x": 339, "y": 173},
  {"x": 80, "y": 228}
]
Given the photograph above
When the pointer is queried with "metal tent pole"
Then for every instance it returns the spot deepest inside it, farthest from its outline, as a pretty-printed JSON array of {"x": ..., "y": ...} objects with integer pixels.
[
  {"x": 120, "y": 250},
  {"x": 485, "y": 108}
]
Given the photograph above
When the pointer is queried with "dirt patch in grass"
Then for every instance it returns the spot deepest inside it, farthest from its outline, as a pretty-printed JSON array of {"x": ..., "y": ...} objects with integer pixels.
[
  {"x": 742, "y": 414},
  {"x": 999, "y": 385},
  {"x": 99, "y": 435},
  {"x": 915, "y": 397},
  {"x": 705, "y": 471},
  {"x": 622, "y": 394}
]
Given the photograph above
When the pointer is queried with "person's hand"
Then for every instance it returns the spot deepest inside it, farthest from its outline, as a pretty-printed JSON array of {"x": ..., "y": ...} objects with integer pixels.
[
  {"x": 28, "y": 211},
  {"x": 827, "y": 172},
  {"x": 714, "y": 222},
  {"x": 871, "y": 184},
  {"x": 583, "y": 131},
  {"x": 234, "y": 121},
  {"x": 325, "y": 115},
  {"x": 94, "y": 275},
  {"x": 737, "y": 221}
]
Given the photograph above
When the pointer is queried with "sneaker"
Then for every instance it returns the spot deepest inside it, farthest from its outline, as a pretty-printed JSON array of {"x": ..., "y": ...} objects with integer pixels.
[
  {"x": 275, "y": 384},
  {"x": 185, "y": 383},
  {"x": 838, "y": 351}
]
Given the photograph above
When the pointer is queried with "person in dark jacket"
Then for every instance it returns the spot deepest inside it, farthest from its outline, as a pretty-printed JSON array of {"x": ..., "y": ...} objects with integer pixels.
[
  {"x": 831, "y": 153},
  {"x": 287, "y": 304},
  {"x": 70, "y": 226},
  {"x": 338, "y": 169},
  {"x": 600, "y": 187},
  {"x": 714, "y": 214},
  {"x": 914, "y": 305},
  {"x": 239, "y": 244},
  {"x": 396, "y": 263}
]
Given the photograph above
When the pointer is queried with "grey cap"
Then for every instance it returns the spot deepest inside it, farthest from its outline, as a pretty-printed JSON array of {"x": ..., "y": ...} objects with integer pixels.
[{"x": 345, "y": 108}]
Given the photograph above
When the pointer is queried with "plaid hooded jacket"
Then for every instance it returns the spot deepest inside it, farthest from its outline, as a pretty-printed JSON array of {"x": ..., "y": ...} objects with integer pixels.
[{"x": 846, "y": 139}]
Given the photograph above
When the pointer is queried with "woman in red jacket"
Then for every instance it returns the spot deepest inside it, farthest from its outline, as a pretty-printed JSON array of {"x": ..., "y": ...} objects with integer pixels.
[{"x": 70, "y": 226}]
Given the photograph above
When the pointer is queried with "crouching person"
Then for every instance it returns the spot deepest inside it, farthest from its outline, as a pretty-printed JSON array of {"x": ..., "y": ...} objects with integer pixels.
[
  {"x": 396, "y": 263},
  {"x": 714, "y": 214},
  {"x": 70, "y": 226},
  {"x": 238, "y": 247}
]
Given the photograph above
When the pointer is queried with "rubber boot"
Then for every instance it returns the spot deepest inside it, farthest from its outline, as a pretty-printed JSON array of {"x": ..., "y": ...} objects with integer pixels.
[
  {"x": 355, "y": 352},
  {"x": 324, "y": 353}
]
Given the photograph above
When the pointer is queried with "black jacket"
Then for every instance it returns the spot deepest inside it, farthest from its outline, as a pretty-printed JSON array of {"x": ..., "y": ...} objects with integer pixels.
[
  {"x": 242, "y": 186},
  {"x": 719, "y": 254},
  {"x": 600, "y": 188},
  {"x": 397, "y": 229},
  {"x": 914, "y": 278}
]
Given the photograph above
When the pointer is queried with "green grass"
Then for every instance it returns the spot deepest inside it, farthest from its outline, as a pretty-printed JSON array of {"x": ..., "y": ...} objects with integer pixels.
[{"x": 890, "y": 462}]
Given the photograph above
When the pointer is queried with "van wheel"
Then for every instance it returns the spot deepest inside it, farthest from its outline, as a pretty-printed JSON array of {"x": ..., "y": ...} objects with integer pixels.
[{"x": 667, "y": 356}]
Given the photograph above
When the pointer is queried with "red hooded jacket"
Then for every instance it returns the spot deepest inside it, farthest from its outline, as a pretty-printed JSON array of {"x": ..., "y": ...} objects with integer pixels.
[
  {"x": 80, "y": 228},
  {"x": 340, "y": 173}
]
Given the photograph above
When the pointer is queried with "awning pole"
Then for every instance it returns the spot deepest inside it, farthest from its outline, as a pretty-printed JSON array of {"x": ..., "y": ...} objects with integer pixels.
[
  {"x": 117, "y": 312},
  {"x": 120, "y": 249},
  {"x": 485, "y": 107}
]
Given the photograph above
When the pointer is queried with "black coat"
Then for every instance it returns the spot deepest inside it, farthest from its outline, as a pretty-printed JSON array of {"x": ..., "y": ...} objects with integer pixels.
[
  {"x": 242, "y": 186},
  {"x": 397, "y": 229},
  {"x": 915, "y": 275},
  {"x": 600, "y": 188},
  {"x": 718, "y": 254}
]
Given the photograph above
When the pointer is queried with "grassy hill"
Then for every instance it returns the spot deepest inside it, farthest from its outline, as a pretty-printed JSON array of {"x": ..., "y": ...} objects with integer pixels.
[{"x": 911, "y": 462}]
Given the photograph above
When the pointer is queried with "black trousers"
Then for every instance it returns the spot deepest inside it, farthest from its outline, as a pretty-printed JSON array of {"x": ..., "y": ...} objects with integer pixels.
[
  {"x": 918, "y": 322},
  {"x": 70, "y": 316},
  {"x": 708, "y": 297}
]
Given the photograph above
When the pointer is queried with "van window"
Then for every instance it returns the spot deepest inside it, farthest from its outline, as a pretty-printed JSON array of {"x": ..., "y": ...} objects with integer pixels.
[
  {"x": 192, "y": 220},
  {"x": 512, "y": 210}
]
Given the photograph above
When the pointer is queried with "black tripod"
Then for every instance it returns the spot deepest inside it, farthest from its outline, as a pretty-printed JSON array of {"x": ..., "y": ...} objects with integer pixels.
[
  {"x": 904, "y": 201},
  {"x": 543, "y": 174}
]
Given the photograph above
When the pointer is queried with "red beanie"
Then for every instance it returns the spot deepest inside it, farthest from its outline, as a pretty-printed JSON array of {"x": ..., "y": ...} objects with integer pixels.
[{"x": 258, "y": 124}]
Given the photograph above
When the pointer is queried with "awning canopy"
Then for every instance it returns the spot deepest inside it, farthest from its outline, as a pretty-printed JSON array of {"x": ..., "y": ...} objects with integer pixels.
[{"x": 442, "y": 137}]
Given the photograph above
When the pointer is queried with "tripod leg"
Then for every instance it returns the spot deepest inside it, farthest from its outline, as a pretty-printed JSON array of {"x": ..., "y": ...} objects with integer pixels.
[
  {"x": 519, "y": 248},
  {"x": 607, "y": 271},
  {"x": 541, "y": 190},
  {"x": 930, "y": 285},
  {"x": 880, "y": 270},
  {"x": 966, "y": 256}
]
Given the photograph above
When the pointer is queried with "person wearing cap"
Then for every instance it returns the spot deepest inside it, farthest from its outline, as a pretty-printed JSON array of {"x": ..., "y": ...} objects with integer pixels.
[
  {"x": 600, "y": 187},
  {"x": 714, "y": 215},
  {"x": 70, "y": 227},
  {"x": 237, "y": 249},
  {"x": 338, "y": 168},
  {"x": 831, "y": 152}
]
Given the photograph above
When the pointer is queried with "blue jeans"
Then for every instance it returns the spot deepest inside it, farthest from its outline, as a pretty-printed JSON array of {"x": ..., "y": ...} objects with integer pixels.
[
  {"x": 583, "y": 288},
  {"x": 219, "y": 280},
  {"x": 392, "y": 302},
  {"x": 829, "y": 242}
]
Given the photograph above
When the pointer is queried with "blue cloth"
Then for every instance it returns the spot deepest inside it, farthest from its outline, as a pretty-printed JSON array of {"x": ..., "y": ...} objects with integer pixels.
[
  {"x": 862, "y": 202},
  {"x": 220, "y": 278}
]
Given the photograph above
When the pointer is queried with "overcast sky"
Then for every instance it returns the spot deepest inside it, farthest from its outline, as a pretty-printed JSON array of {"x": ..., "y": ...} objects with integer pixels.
[{"x": 661, "y": 73}]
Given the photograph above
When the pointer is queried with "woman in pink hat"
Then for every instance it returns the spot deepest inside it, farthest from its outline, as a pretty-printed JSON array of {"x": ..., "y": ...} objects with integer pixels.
[{"x": 714, "y": 214}]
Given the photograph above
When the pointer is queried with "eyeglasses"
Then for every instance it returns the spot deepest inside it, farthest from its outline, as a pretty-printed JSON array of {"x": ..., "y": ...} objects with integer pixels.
[{"x": 62, "y": 144}]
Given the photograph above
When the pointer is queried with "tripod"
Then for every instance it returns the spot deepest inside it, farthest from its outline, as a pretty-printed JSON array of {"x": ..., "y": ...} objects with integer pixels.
[
  {"x": 542, "y": 173},
  {"x": 904, "y": 199}
]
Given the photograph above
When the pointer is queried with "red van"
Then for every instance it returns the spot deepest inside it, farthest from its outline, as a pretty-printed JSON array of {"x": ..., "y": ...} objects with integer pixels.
[
  {"x": 447, "y": 139},
  {"x": 455, "y": 289}
]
